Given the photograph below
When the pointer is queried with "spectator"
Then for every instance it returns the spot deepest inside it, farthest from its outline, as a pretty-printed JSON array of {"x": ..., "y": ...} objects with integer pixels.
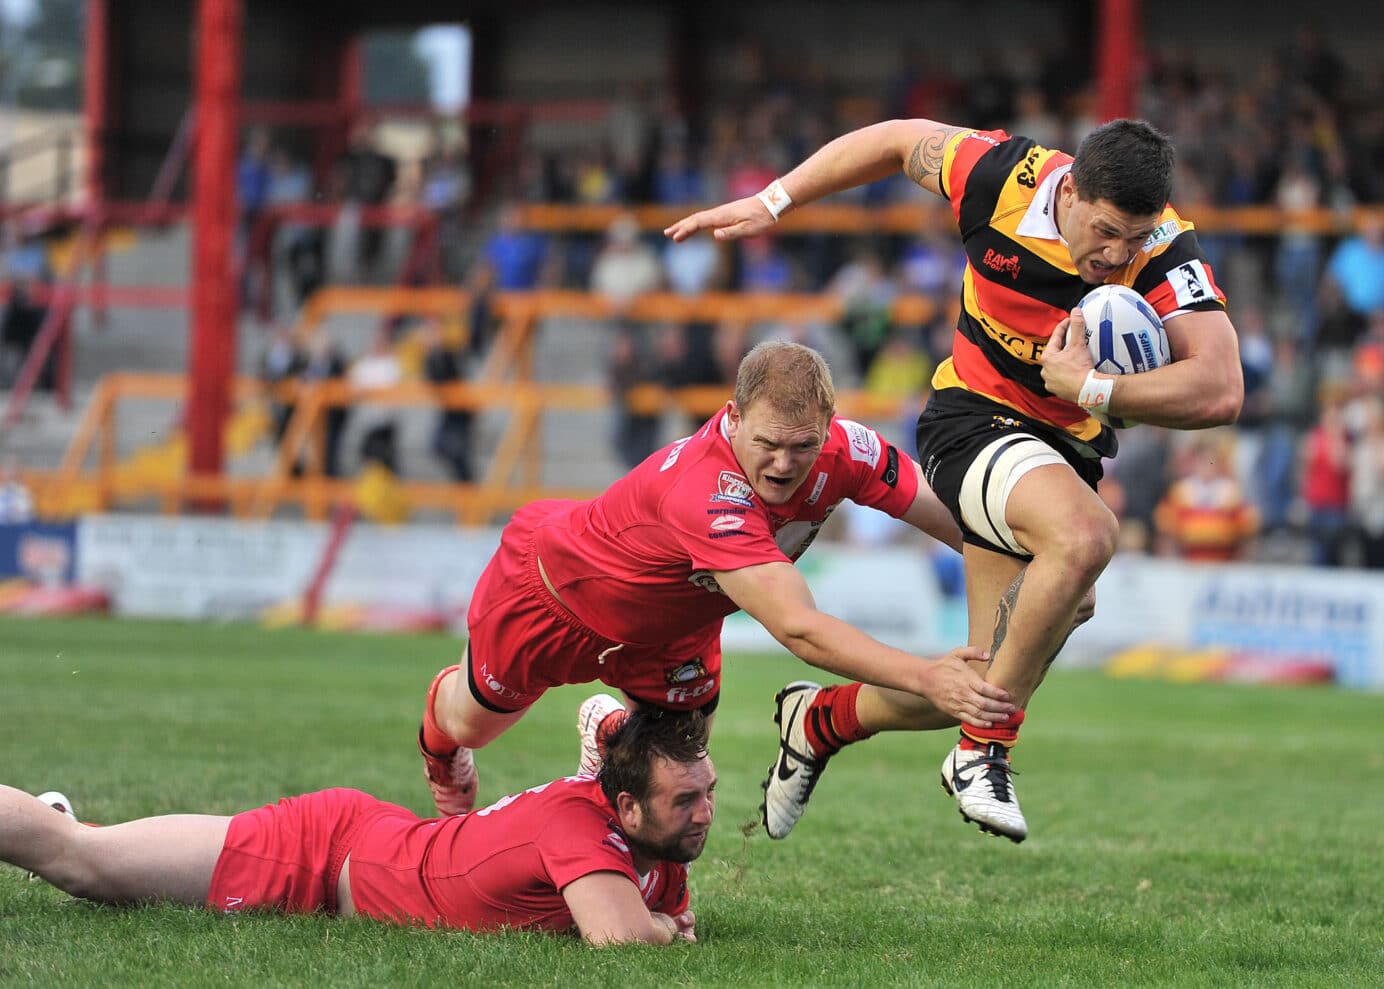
[
  {"x": 252, "y": 190},
  {"x": 1367, "y": 482},
  {"x": 1205, "y": 515},
  {"x": 302, "y": 247},
  {"x": 1352, "y": 288},
  {"x": 324, "y": 362},
  {"x": 624, "y": 269},
  {"x": 31, "y": 278},
  {"x": 1298, "y": 258},
  {"x": 1326, "y": 479},
  {"x": 16, "y": 502},
  {"x": 363, "y": 176},
  {"x": 377, "y": 371},
  {"x": 867, "y": 295},
  {"x": 677, "y": 179},
  {"x": 282, "y": 362},
  {"x": 451, "y": 440},
  {"x": 634, "y": 362},
  {"x": 517, "y": 258},
  {"x": 446, "y": 187}
]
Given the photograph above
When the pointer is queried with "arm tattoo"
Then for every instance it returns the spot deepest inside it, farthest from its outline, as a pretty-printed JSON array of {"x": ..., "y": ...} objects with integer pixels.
[
  {"x": 926, "y": 159},
  {"x": 1006, "y": 608}
]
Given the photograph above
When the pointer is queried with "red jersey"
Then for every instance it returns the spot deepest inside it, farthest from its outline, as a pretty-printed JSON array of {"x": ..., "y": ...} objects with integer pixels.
[
  {"x": 501, "y": 866},
  {"x": 635, "y": 564}
]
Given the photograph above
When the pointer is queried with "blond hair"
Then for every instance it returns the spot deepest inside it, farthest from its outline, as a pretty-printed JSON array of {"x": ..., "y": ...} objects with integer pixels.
[{"x": 792, "y": 378}]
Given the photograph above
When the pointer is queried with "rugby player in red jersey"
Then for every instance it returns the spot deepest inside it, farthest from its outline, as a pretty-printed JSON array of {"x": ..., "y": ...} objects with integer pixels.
[
  {"x": 1014, "y": 432},
  {"x": 631, "y": 588},
  {"x": 605, "y": 857}
]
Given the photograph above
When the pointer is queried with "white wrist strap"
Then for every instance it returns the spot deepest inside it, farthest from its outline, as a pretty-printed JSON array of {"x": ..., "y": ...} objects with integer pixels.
[
  {"x": 1095, "y": 393},
  {"x": 775, "y": 198}
]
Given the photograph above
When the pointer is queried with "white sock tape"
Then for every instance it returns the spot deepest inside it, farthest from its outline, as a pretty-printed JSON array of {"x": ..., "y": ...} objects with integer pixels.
[
  {"x": 1095, "y": 393},
  {"x": 775, "y": 198}
]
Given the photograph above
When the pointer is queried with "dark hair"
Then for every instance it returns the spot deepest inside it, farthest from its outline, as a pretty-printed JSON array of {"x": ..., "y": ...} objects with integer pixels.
[
  {"x": 649, "y": 732},
  {"x": 1128, "y": 163}
]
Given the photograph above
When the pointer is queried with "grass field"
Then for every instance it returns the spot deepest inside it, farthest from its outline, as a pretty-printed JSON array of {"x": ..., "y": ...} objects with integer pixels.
[{"x": 1181, "y": 834}]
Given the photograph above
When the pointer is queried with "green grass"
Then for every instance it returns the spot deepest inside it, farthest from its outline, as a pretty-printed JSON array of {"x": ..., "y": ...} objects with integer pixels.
[{"x": 1196, "y": 835}]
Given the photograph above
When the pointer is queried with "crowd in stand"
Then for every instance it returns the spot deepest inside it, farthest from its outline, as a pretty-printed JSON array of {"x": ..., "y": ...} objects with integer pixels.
[{"x": 1296, "y": 132}]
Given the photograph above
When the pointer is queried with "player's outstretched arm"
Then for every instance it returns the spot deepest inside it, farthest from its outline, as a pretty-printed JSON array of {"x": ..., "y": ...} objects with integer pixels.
[
  {"x": 608, "y": 909},
  {"x": 777, "y": 596},
  {"x": 914, "y": 147}
]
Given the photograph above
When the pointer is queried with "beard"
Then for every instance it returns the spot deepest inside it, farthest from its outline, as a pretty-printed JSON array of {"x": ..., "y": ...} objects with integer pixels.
[{"x": 674, "y": 848}]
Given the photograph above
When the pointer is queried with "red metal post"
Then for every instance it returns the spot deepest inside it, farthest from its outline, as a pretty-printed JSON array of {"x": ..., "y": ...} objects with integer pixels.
[
  {"x": 95, "y": 107},
  {"x": 214, "y": 301},
  {"x": 1119, "y": 57}
]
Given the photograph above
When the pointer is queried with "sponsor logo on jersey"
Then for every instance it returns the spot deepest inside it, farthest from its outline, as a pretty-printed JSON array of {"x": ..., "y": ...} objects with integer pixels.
[
  {"x": 863, "y": 442},
  {"x": 681, "y": 695},
  {"x": 1005, "y": 265},
  {"x": 495, "y": 685},
  {"x": 693, "y": 669},
  {"x": 733, "y": 487},
  {"x": 1164, "y": 233},
  {"x": 1191, "y": 283},
  {"x": 727, "y": 522},
  {"x": 817, "y": 488},
  {"x": 982, "y": 137},
  {"x": 672, "y": 457},
  {"x": 728, "y": 533},
  {"x": 725, "y": 510}
]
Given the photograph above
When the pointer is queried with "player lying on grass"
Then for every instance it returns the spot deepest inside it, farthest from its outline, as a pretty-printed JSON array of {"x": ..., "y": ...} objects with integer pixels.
[{"x": 607, "y": 856}]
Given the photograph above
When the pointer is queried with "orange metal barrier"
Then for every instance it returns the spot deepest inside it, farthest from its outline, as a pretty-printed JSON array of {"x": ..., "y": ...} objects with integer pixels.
[
  {"x": 513, "y": 475},
  {"x": 910, "y": 218}
]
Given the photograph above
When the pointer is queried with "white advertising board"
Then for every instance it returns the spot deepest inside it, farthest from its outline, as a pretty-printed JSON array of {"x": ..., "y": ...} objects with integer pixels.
[
  {"x": 1334, "y": 615},
  {"x": 190, "y": 567},
  {"x": 890, "y": 593}
]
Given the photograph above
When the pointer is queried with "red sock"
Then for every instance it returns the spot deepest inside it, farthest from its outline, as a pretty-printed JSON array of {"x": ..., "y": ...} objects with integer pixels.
[
  {"x": 832, "y": 721},
  {"x": 434, "y": 739},
  {"x": 1006, "y": 733}
]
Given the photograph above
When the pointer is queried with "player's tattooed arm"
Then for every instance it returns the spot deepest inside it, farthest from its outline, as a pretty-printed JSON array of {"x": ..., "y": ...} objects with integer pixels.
[{"x": 924, "y": 164}]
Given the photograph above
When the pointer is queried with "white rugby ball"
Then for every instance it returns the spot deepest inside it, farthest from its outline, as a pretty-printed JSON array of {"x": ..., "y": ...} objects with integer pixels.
[{"x": 1123, "y": 333}]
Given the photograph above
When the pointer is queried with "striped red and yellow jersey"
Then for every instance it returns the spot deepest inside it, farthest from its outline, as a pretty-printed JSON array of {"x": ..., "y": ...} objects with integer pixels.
[{"x": 1020, "y": 281}]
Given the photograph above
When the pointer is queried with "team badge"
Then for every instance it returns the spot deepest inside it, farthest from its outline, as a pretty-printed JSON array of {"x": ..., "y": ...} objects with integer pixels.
[{"x": 692, "y": 670}]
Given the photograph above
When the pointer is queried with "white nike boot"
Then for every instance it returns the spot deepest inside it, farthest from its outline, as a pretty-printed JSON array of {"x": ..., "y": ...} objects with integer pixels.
[
  {"x": 794, "y": 775},
  {"x": 980, "y": 781},
  {"x": 594, "y": 725}
]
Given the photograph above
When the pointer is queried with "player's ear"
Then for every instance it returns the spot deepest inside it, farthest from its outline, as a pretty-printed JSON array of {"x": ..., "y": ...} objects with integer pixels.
[
  {"x": 631, "y": 814},
  {"x": 732, "y": 417}
]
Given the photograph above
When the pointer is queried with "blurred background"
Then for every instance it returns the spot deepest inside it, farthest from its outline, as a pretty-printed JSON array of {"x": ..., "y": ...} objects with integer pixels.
[{"x": 299, "y": 307}]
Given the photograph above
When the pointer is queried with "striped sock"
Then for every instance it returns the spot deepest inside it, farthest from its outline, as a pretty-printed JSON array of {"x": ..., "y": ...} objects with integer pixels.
[
  {"x": 1006, "y": 733},
  {"x": 832, "y": 722}
]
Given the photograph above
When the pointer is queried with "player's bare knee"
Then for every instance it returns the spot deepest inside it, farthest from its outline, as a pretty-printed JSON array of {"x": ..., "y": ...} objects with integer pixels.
[{"x": 1089, "y": 545}]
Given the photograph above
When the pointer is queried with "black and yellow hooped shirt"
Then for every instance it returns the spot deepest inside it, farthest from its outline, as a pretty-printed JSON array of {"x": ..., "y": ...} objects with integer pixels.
[{"x": 1020, "y": 281}]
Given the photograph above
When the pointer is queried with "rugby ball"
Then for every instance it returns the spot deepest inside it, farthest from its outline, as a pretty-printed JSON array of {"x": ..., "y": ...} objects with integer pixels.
[{"x": 1123, "y": 333}]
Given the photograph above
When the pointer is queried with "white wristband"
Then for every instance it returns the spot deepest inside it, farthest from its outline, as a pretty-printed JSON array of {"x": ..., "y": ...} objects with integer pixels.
[
  {"x": 775, "y": 198},
  {"x": 1095, "y": 393}
]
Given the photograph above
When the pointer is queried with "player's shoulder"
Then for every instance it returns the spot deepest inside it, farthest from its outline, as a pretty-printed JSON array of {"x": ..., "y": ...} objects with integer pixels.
[{"x": 854, "y": 442}]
